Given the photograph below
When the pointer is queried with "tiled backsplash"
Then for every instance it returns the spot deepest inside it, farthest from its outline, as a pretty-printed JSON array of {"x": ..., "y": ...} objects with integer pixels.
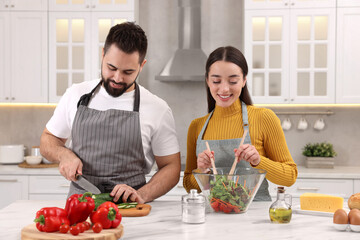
[{"x": 24, "y": 125}]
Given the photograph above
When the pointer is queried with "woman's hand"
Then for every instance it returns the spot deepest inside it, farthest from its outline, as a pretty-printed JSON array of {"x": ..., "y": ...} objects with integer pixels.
[
  {"x": 248, "y": 153},
  {"x": 203, "y": 160}
]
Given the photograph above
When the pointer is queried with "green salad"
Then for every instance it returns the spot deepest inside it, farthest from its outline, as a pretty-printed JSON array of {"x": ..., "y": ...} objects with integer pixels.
[{"x": 228, "y": 196}]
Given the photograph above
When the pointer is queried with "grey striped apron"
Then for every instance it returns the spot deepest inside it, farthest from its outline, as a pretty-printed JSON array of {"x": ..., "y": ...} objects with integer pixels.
[
  {"x": 109, "y": 145},
  {"x": 224, "y": 152}
]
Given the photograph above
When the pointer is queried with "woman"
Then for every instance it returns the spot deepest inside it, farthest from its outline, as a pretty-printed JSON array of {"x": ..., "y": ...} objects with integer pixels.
[{"x": 230, "y": 113}]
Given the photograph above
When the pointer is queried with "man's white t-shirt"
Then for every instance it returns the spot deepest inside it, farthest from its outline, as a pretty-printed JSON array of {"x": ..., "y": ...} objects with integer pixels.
[{"x": 156, "y": 119}]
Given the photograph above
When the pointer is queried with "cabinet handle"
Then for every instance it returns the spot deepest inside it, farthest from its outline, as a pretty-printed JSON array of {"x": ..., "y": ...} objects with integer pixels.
[
  {"x": 6, "y": 98},
  {"x": 12, "y": 6},
  {"x": 12, "y": 98},
  {"x": 94, "y": 6},
  {"x": 8, "y": 180},
  {"x": 65, "y": 185},
  {"x": 6, "y": 6},
  {"x": 87, "y": 6},
  {"x": 180, "y": 186},
  {"x": 308, "y": 188}
]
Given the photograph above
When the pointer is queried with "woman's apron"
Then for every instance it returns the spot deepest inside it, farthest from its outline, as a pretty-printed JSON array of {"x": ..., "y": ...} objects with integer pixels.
[
  {"x": 224, "y": 152},
  {"x": 109, "y": 145}
]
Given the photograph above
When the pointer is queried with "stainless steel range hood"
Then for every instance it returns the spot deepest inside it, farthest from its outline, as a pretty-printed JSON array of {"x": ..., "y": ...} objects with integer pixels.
[{"x": 188, "y": 62}]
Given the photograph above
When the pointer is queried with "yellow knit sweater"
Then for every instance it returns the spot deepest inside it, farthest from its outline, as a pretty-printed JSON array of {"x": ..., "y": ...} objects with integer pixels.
[{"x": 266, "y": 135}]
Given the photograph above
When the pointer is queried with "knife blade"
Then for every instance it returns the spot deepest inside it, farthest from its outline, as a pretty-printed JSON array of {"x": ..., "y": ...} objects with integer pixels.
[{"x": 86, "y": 185}]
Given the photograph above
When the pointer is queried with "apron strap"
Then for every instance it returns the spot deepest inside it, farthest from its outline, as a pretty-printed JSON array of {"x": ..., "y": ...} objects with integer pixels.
[
  {"x": 245, "y": 123},
  {"x": 85, "y": 99},
  {"x": 245, "y": 120},
  {"x": 137, "y": 98},
  {"x": 201, "y": 134}
]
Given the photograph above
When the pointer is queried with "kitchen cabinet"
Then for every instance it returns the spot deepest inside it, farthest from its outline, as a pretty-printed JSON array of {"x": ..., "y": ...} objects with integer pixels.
[
  {"x": 347, "y": 49},
  {"x": 283, "y": 4},
  {"x": 290, "y": 51},
  {"x": 76, "y": 40},
  {"x": 13, "y": 188},
  {"x": 357, "y": 186},
  {"x": 48, "y": 188},
  {"x": 23, "y": 51},
  {"x": 339, "y": 187},
  {"x": 92, "y": 5}
]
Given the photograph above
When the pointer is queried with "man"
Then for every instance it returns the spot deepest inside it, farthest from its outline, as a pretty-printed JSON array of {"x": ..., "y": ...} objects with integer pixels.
[{"x": 118, "y": 128}]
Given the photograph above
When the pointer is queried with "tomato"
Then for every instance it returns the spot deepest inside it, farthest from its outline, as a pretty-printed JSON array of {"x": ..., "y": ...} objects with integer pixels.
[
  {"x": 97, "y": 227},
  {"x": 74, "y": 230},
  {"x": 64, "y": 228},
  {"x": 87, "y": 225},
  {"x": 81, "y": 227}
]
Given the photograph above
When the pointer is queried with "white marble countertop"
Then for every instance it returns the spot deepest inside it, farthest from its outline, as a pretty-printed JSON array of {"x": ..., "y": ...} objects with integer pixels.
[
  {"x": 164, "y": 222},
  {"x": 303, "y": 172}
]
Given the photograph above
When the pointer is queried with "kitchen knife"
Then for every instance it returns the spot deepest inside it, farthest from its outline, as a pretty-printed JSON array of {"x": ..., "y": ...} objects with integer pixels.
[{"x": 86, "y": 185}]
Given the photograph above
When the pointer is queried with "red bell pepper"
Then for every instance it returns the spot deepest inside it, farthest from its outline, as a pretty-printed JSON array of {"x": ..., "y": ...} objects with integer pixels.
[
  {"x": 49, "y": 219},
  {"x": 79, "y": 207},
  {"x": 107, "y": 214}
]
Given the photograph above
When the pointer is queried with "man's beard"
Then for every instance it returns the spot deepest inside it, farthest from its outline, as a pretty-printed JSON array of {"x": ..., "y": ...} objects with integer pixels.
[{"x": 115, "y": 92}]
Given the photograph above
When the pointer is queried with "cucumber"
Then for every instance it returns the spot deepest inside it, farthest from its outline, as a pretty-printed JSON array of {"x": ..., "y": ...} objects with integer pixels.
[{"x": 105, "y": 197}]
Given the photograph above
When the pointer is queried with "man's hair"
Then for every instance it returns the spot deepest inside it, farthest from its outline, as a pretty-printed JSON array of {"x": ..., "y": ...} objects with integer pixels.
[{"x": 129, "y": 38}]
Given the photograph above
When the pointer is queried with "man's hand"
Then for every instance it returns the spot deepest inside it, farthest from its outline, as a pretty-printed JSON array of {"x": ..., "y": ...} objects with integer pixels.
[
  {"x": 69, "y": 167},
  {"x": 126, "y": 192}
]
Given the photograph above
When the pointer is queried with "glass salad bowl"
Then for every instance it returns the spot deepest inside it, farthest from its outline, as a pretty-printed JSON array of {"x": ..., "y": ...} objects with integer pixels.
[{"x": 230, "y": 193}]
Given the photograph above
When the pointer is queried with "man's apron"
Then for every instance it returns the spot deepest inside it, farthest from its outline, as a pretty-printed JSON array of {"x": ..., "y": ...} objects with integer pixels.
[
  {"x": 224, "y": 152},
  {"x": 109, "y": 145}
]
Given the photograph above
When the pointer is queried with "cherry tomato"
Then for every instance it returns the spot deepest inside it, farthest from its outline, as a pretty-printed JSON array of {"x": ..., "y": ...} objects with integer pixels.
[
  {"x": 97, "y": 227},
  {"x": 87, "y": 225},
  {"x": 81, "y": 227},
  {"x": 74, "y": 230},
  {"x": 64, "y": 228}
]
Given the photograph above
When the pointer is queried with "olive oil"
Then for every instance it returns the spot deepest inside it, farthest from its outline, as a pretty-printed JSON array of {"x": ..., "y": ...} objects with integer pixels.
[
  {"x": 280, "y": 215},
  {"x": 280, "y": 211}
]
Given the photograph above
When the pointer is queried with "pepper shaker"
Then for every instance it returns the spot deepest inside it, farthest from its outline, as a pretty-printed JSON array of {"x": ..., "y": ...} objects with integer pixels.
[{"x": 193, "y": 207}]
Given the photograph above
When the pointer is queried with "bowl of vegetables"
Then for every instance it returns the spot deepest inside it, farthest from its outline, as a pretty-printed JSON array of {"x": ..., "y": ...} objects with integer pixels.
[{"x": 230, "y": 193}]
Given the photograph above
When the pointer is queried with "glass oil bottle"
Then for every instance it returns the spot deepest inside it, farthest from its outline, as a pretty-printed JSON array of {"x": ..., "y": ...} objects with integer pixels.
[{"x": 280, "y": 210}]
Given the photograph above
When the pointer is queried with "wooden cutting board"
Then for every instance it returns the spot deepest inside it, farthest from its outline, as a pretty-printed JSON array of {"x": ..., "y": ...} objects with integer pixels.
[
  {"x": 30, "y": 232},
  {"x": 139, "y": 211}
]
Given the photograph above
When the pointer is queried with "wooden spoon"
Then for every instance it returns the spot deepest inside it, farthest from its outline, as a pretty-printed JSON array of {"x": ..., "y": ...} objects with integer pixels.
[
  {"x": 211, "y": 159},
  {"x": 235, "y": 160}
]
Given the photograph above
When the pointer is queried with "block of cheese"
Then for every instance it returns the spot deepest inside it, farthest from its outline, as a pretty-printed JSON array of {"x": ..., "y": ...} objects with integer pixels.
[{"x": 320, "y": 202}]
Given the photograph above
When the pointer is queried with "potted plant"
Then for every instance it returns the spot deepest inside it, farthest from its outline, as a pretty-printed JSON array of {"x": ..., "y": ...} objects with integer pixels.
[{"x": 319, "y": 155}]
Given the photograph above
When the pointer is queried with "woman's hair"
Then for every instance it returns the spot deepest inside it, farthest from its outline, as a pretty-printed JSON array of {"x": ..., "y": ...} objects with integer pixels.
[
  {"x": 233, "y": 55},
  {"x": 129, "y": 38}
]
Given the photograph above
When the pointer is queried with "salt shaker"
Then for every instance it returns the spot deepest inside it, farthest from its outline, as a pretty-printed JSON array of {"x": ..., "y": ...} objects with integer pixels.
[{"x": 193, "y": 207}]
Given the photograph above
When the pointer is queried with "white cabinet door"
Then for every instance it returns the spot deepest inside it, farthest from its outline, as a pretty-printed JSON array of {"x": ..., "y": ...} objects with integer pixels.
[
  {"x": 348, "y": 3},
  {"x": 347, "y": 52},
  {"x": 338, "y": 187},
  {"x": 15, "y": 188},
  {"x": 69, "y": 51},
  {"x": 91, "y": 5},
  {"x": 312, "y": 56},
  {"x": 23, "y": 56},
  {"x": 357, "y": 186},
  {"x": 29, "y": 79},
  {"x": 4, "y": 53},
  {"x": 76, "y": 40},
  {"x": 267, "y": 53},
  {"x": 283, "y": 4},
  {"x": 291, "y": 55},
  {"x": 26, "y": 5},
  {"x": 48, "y": 188}
]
